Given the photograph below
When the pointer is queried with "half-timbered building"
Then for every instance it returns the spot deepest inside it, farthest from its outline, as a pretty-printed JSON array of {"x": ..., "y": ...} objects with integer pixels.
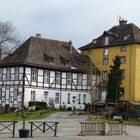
[{"x": 45, "y": 70}]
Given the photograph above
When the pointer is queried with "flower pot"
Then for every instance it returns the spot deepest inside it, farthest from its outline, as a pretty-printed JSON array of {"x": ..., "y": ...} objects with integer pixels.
[{"x": 24, "y": 133}]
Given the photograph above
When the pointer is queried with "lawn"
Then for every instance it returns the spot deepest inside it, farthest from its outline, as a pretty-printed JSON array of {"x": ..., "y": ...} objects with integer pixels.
[
  {"x": 40, "y": 114},
  {"x": 104, "y": 120}
]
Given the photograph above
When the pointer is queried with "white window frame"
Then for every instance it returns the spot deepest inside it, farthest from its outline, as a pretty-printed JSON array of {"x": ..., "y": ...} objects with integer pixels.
[
  {"x": 123, "y": 48},
  {"x": 106, "y": 51},
  {"x": 33, "y": 96},
  {"x": 15, "y": 96},
  {"x": 34, "y": 75},
  {"x": 106, "y": 40},
  {"x": 104, "y": 75},
  {"x": 58, "y": 78},
  {"x": 126, "y": 37},
  {"x": 8, "y": 73},
  {"x": 79, "y": 98},
  {"x": 69, "y": 98},
  {"x": 46, "y": 77},
  {"x": 46, "y": 94},
  {"x": 79, "y": 79},
  {"x": 0, "y": 94},
  {"x": 69, "y": 78},
  {"x": 1, "y": 74},
  {"x": 123, "y": 59},
  {"x": 16, "y": 74},
  {"x": 84, "y": 98},
  {"x": 105, "y": 61},
  {"x": 51, "y": 59},
  {"x": 57, "y": 97}
]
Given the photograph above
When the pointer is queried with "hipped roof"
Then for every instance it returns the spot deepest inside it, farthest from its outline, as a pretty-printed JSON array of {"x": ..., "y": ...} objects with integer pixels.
[
  {"x": 35, "y": 52},
  {"x": 116, "y": 36}
]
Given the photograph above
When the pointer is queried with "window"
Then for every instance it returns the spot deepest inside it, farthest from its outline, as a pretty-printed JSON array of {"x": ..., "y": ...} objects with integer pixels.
[
  {"x": 94, "y": 41},
  {"x": 57, "y": 78},
  {"x": 105, "y": 61},
  {"x": 51, "y": 59},
  {"x": 46, "y": 96},
  {"x": 68, "y": 100},
  {"x": 8, "y": 74},
  {"x": 33, "y": 96},
  {"x": 46, "y": 77},
  {"x": 0, "y": 94},
  {"x": 57, "y": 98},
  {"x": 123, "y": 48},
  {"x": 1, "y": 74},
  {"x": 15, "y": 94},
  {"x": 123, "y": 59},
  {"x": 67, "y": 62},
  {"x": 69, "y": 78},
  {"x": 84, "y": 98},
  {"x": 105, "y": 51},
  {"x": 104, "y": 75},
  {"x": 79, "y": 98},
  {"x": 126, "y": 37},
  {"x": 79, "y": 79},
  {"x": 106, "y": 41},
  {"x": 123, "y": 74},
  {"x": 34, "y": 75},
  {"x": 16, "y": 75}
]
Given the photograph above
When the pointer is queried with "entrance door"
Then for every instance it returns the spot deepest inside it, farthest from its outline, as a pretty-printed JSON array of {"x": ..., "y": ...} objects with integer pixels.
[{"x": 103, "y": 95}]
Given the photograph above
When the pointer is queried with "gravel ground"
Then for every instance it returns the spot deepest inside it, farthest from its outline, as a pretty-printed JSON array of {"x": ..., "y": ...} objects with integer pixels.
[{"x": 69, "y": 128}]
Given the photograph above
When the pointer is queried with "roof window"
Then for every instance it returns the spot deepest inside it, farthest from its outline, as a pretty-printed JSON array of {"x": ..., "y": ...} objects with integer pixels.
[{"x": 126, "y": 37}]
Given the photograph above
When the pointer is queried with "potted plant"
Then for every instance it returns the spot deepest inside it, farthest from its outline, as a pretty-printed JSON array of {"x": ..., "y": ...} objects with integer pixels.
[{"x": 23, "y": 132}]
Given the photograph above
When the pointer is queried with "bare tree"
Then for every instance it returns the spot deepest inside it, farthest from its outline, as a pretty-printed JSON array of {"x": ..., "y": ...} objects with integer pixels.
[
  {"x": 92, "y": 81},
  {"x": 7, "y": 37}
]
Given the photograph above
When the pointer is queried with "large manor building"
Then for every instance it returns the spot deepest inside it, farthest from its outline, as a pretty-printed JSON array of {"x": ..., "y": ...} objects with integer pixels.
[
  {"x": 45, "y": 70},
  {"x": 122, "y": 40}
]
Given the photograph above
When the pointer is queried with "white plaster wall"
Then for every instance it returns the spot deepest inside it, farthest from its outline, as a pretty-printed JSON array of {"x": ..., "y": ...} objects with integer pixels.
[{"x": 51, "y": 94}]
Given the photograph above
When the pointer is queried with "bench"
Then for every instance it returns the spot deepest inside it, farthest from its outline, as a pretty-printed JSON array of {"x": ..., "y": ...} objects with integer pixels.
[
  {"x": 117, "y": 118},
  {"x": 117, "y": 128},
  {"x": 43, "y": 126},
  {"x": 92, "y": 128},
  {"x": 8, "y": 127}
]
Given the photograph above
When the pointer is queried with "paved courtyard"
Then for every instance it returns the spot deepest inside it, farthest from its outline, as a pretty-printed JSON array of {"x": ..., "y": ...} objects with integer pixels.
[{"x": 69, "y": 128}]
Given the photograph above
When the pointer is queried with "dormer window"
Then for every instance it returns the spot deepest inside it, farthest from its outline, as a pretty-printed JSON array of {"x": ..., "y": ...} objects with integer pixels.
[
  {"x": 126, "y": 37},
  {"x": 94, "y": 41},
  {"x": 48, "y": 58},
  {"x": 106, "y": 40},
  {"x": 67, "y": 62},
  {"x": 51, "y": 59}
]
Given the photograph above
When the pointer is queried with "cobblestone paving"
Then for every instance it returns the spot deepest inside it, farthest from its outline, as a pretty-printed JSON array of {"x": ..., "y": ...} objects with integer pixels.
[{"x": 69, "y": 128}]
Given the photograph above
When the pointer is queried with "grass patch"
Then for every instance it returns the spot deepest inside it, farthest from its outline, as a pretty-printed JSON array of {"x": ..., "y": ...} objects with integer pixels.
[
  {"x": 40, "y": 114},
  {"x": 103, "y": 120}
]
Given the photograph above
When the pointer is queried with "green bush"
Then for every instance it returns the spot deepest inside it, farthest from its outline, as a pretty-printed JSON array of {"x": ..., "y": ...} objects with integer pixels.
[{"x": 39, "y": 105}]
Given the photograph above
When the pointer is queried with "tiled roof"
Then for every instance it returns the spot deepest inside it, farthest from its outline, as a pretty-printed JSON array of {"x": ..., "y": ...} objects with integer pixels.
[
  {"x": 116, "y": 36},
  {"x": 36, "y": 52}
]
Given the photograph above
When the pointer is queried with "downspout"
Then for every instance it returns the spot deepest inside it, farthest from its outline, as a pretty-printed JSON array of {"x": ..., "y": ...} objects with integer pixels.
[{"x": 130, "y": 75}]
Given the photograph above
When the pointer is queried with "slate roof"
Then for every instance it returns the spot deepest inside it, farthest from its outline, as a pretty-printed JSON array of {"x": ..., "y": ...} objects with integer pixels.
[
  {"x": 116, "y": 36},
  {"x": 36, "y": 52}
]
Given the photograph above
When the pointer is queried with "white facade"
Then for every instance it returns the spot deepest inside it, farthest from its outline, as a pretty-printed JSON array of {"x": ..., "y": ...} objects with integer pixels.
[{"x": 59, "y": 87}]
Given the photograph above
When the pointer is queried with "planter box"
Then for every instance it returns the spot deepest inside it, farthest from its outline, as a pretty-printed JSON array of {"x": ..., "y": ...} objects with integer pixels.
[{"x": 24, "y": 133}]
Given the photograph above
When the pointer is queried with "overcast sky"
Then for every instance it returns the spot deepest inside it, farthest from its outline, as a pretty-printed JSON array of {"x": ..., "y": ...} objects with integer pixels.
[{"x": 76, "y": 20}]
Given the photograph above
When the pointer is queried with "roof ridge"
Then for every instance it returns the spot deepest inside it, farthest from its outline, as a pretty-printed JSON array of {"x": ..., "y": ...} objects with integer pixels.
[{"x": 41, "y": 38}]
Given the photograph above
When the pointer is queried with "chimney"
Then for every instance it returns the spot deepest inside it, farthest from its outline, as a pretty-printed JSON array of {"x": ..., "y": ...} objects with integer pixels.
[
  {"x": 70, "y": 44},
  {"x": 38, "y": 35},
  {"x": 122, "y": 22}
]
